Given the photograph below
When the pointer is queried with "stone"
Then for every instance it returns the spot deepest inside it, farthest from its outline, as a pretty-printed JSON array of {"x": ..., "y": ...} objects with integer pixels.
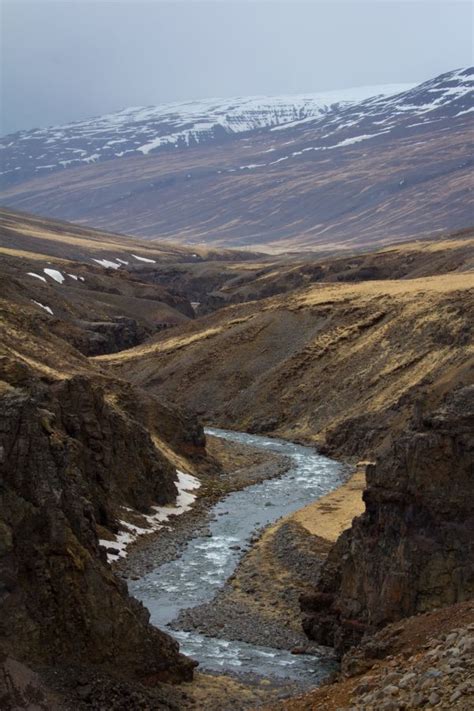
[
  {"x": 466, "y": 645},
  {"x": 391, "y": 690},
  {"x": 406, "y": 680}
]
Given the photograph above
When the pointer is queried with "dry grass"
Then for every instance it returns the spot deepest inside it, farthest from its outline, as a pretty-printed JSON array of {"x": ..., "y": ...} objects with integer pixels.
[
  {"x": 313, "y": 359},
  {"x": 37, "y": 256},
  {"x": 331, "y": 515},
  {"x": 22, "y": 234}
]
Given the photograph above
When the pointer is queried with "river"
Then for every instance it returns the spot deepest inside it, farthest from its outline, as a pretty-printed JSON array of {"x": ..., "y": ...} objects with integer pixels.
[{"x": 206, "y": 563}]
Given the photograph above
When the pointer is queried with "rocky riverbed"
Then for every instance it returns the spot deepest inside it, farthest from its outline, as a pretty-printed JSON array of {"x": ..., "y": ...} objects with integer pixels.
[
  {"x": 259, "y": 603},
  {"x": 208, "y": 559},
  {"x": 241, "y": 466}
]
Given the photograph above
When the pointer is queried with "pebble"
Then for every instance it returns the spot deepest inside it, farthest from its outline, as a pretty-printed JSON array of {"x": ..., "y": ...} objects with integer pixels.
[
  {"x": 406, "y": 680},
  {"x": 434, "y": 698}
]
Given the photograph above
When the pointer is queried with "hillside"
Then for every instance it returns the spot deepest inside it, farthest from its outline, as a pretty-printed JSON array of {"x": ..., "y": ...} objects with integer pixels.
[
  {"x": 211, "y": 285},
  {"x": 94, "y": 287},
  {"x": 366, "y": 173},
  {"x": 145, "y": 129},
  {"x": 23, "y": 234},
  {"x": 81, "y": 451},
  {"x": 340, "y": 364}
]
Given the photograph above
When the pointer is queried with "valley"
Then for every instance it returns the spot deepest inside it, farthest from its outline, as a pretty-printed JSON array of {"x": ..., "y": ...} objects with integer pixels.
[
  {"x": 237, "y": 402},
  {"x": 242, "y": 544}
]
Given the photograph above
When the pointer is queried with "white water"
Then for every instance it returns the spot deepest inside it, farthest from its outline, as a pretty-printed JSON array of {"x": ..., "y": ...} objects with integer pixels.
[{"x": 206, "y": 563}]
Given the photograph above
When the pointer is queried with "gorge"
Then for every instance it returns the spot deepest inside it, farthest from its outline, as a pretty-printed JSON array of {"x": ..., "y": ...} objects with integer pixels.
[{"x": 342, "y": 363}]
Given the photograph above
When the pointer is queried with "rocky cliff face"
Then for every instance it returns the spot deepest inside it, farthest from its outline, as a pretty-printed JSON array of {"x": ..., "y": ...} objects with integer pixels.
[
  {"x": 71, "y": 453},
  {"x": 413, "y": 549}
]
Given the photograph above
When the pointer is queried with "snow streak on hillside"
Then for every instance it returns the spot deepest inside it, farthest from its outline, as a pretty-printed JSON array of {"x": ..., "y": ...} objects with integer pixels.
[{"x": 145, "y": 130}]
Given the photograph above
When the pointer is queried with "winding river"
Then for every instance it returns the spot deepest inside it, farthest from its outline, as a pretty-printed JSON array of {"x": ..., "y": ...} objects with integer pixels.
[{"x": 206, "y": 562}]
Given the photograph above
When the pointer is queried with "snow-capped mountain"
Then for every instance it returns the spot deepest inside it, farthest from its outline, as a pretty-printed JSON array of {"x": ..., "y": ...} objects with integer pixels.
[
  {"x": 146, "y": 130},
  {"x": 303, "y": 172},
  {"x": 447, "y": 96}
]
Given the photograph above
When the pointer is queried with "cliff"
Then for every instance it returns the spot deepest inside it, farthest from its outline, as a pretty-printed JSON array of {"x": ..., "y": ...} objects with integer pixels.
[
  {"x": 69, "y": 458},
  {"x": 413, "y": 549},
  {"x": 76, "y": 447}
]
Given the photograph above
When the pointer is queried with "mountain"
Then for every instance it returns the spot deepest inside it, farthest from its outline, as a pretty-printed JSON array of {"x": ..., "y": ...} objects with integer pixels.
[
  {"x": 358, "y": 174},
  {"x": 145, "y": 130}
]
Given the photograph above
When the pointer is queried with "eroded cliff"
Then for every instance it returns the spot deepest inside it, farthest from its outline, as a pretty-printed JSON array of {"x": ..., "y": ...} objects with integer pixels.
[{"x": 413, "y": 549}]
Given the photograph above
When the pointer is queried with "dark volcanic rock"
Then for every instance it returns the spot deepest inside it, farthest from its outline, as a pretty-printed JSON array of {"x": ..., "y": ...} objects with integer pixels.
[
  {"x": 112, "y": 336},
  {"x": 413, "y": 549},
  {"x": 70, "y": 455}
]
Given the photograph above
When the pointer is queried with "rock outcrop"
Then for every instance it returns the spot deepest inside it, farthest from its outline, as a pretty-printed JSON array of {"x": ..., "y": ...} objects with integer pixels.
[
  {"x": 413, "y": 549},
  {"x": 74, "y": 451},
  {"x": 111, "y": 336}
]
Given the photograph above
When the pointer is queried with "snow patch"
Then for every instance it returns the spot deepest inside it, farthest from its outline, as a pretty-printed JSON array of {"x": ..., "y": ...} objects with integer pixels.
[
  {"x": 38, "y": 276},
  {"x": 46, "y": 308},
  {"x": 107, "y": 263},
  {"x": 91, "y": 159},
  {"x": 186, "y": 485},
  {"x": 144, "y": 259},
  {"x": 55, "y": 274},
  {"x": 251, "y": 166},
  {"x": 466, "y": 111},
  {"x": 356, "y": 139}
]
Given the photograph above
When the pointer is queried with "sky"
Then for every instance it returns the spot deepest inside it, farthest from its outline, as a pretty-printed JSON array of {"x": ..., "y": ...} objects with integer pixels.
[{"x": 63, "y": 60}]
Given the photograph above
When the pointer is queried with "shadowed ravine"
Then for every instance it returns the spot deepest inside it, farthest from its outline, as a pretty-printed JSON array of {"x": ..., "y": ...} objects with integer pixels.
[{"x": 206, "y": 563}]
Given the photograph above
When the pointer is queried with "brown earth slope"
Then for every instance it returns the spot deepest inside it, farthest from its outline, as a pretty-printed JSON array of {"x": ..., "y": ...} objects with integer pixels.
[
  {"x": 22, "y": 233},
  {"x": 212, "y": 285},
  {"x": 339, "y": 365},
  {"x": 97, "y": 310}
]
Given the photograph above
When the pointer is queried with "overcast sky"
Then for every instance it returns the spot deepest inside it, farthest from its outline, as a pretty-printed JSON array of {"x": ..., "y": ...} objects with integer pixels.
[{"x": 64, "y": 60}]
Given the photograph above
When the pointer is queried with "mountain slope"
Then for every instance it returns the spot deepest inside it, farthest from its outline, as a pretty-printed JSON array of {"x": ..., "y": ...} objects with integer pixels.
[
  {"x": 381, "y": 170},
  {"x": 23, "y": 234},
  {"x": 340, "y": 365},
  {"x": 142, "y": 130}
]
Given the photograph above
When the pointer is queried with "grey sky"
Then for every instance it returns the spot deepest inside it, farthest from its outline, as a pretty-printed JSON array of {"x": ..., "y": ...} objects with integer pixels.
[{"x": 69, "y": 59}]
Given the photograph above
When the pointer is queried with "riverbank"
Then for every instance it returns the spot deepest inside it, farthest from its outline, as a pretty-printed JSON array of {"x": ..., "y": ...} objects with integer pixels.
[
  {"x": 239, "y": 466},
  {"x": 259, "y": 603},
  {"x": 269, "y": 577}
]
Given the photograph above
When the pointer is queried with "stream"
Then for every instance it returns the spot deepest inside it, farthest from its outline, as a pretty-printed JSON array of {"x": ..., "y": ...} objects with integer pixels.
[{"x": 206, "y": 562}]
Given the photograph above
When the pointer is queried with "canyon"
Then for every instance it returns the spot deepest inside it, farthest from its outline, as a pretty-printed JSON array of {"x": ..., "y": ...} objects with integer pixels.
[{"x": 115, "y": 354}]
